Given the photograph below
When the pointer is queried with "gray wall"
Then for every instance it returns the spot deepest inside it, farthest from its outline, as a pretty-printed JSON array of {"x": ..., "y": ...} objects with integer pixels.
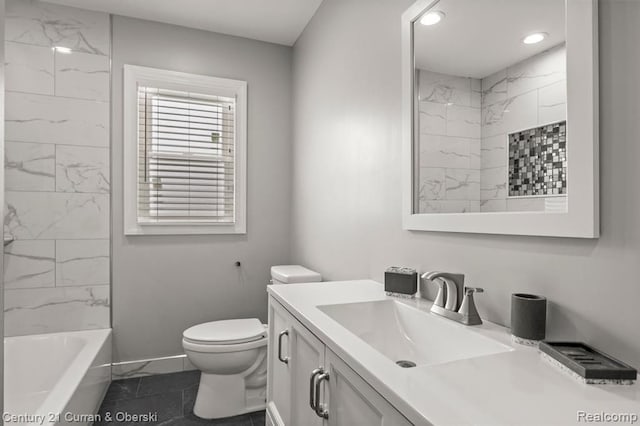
[
  {"x": 347, "y": 189},
  {"x": 164, "y": 284}
]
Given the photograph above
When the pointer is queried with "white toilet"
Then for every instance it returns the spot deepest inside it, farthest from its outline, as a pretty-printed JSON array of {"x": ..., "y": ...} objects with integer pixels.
[{"x": 232, "y": 356}]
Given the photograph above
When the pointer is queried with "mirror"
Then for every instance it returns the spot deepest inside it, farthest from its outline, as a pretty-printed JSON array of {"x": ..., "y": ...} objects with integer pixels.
[
  {"x": 493, "y": 112},
  {"x": 491, "y": 109}
]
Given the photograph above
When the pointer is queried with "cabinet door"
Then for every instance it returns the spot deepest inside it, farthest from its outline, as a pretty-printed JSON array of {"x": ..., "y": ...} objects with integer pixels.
[
  {"x": 307, "y": 354},
  {"x": 279, "y": 371},
  {"x": 352, "y": 401}
]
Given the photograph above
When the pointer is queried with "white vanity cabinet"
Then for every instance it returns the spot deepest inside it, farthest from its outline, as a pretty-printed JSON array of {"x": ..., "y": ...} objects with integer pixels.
[
  {"x": 294, "y": 353},
  {"x": 278, "y": 368},
  {"x": 352, "y": 401},
  {"x": 303, "y": 372}
]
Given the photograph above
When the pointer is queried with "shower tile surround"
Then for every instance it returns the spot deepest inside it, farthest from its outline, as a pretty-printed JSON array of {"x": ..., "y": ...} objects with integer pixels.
[
  {"x": 464, "y": 130},
  {"x": 56, "y": 169}
]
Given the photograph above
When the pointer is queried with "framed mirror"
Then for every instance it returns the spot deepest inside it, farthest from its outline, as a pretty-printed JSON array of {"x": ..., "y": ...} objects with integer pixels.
[{"x": 500, "y": 117}]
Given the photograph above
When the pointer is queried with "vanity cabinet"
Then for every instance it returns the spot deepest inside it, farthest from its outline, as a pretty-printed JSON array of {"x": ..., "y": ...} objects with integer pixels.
[
  {"x": 352, "y": 401},
  {"x": 310, "y": 385},
  {"x": 279, "y": 377},
  {"x": 294, "y": 352}
]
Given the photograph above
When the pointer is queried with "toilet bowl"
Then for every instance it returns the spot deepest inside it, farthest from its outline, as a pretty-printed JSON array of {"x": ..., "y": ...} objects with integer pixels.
[{"x": 232, "y": 357}]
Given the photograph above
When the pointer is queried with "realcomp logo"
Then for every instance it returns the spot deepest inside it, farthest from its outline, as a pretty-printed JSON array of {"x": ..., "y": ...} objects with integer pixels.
[{"x": 604, "y": 417}]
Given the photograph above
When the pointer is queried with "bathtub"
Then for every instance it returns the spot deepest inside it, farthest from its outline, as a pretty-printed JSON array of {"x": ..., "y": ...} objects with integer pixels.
[{"x": 57, "y": 378}]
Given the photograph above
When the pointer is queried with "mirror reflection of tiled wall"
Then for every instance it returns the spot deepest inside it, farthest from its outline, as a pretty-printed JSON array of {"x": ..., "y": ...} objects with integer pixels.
[
  {"x": 449, "y": 143},
  {"x": 464, "y": 128},
  {"x": 538, "y": 161},
  {"x": 528, "y": 94}
]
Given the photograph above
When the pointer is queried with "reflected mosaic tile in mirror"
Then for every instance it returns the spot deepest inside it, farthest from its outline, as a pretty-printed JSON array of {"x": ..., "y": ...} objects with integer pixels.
[{"x": 538, "y": 161}]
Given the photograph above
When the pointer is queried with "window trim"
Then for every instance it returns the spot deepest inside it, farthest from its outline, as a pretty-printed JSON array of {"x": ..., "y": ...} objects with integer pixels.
[{"x": 134, "y": 75}]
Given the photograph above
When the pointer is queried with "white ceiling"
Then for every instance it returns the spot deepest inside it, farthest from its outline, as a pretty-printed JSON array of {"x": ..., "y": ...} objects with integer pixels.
[
  {"x": 479, "y": 37},
  {"x": 275, "y": 21}
]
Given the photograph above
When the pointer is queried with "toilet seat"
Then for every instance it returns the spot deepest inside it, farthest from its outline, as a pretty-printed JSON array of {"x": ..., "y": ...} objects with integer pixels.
[
  {"x": 225, "y": 336},
  {"x": 217, "y": 348},
  {"x": 226, "y": 332}
]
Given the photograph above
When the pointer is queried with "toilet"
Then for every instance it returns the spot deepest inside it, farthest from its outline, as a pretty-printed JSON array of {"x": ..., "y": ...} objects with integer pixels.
[{"x": 232, "y": 356}]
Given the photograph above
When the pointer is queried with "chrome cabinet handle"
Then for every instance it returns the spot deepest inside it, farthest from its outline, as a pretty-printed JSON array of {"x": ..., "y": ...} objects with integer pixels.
[
  {"x": 280, "y": 336},
  {"x": 319, "y": 407},
  {"x": 312, "y": 383}
]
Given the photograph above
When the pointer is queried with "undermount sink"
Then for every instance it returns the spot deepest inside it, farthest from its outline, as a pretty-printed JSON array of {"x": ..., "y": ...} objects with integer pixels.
[{"x": 404, "y": 333}]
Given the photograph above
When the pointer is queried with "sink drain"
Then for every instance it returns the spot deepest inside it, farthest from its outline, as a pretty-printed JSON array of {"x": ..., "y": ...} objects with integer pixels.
[{"x": 406, "y": 364}]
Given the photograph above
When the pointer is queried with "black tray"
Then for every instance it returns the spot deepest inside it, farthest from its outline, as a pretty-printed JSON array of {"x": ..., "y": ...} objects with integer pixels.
[{"x": 587, "y": 361}]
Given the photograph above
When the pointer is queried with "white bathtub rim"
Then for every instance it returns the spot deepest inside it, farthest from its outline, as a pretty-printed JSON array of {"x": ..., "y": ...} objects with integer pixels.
[{"x": 61, "y": 394}]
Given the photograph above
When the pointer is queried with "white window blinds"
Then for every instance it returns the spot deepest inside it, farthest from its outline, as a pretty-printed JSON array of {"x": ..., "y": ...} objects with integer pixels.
[{"x": 186, "y": 157}]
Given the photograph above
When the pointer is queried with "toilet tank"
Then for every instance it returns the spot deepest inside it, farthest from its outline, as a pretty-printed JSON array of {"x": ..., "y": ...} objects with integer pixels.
[{"x": 291, "y": 274}]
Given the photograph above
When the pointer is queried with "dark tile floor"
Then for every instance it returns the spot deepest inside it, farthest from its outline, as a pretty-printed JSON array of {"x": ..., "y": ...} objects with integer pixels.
[{"x": 171, "y": 396}]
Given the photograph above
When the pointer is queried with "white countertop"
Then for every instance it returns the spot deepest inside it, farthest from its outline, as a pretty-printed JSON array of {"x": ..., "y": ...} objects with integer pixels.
[{"x": 510, "y": 388}]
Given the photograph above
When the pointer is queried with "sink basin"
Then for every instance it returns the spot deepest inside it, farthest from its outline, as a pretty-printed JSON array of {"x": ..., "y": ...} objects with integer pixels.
[{"x": 404, "y": 333}]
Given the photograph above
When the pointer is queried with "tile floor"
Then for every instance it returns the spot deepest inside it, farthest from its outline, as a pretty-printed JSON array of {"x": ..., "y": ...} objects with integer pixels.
[{"x": 171, "y": 396}]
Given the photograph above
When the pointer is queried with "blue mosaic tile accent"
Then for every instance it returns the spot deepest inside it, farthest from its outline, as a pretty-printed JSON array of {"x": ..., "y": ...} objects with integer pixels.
[{"x": 538, "y": 161}]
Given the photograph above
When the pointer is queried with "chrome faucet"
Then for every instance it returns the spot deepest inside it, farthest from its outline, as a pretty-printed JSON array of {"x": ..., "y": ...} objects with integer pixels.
[
  {"x": 454, "y": 300},
  {"x": 449, "y": 288}
]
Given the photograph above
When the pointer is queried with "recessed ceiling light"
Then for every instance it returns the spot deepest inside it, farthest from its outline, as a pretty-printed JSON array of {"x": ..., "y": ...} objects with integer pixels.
[
  {"x": 534, "y": 38},
  {"x": 432, "y": 18},
  {"x": 62, "y": 49}
]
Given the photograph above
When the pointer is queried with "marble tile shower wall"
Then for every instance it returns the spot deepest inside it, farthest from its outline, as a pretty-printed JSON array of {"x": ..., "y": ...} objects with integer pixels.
[
  {"x": 57, "y": 169},
  {"x": 449, "y": 178},
  {"x": 528, "y": 94}
]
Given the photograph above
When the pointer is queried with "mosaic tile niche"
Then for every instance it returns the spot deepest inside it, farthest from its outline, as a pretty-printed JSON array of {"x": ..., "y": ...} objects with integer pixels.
[{"x": 538, "y": 161}]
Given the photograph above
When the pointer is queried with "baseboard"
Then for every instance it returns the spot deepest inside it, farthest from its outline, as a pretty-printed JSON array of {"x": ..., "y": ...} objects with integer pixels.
[{"x": 150, "y": 367}]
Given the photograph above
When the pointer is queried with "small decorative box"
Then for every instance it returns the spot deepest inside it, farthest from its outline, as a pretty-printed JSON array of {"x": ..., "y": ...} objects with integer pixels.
[
  {"x": 587, "y": 364},
  {"x": 400, "y": 281}
]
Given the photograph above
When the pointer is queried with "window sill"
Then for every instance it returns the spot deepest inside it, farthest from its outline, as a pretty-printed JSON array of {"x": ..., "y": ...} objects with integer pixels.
[{"x": 191, "y": 229}]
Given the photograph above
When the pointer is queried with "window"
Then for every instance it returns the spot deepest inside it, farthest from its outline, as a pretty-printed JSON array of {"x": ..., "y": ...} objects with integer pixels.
[{"x": 185, "y": 153}]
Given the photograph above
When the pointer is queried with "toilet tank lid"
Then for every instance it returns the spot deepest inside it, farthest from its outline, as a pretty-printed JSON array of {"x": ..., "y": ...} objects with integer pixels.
[
  {"x": 226, "y": 331},
  {"x": 289, "y": 274}
]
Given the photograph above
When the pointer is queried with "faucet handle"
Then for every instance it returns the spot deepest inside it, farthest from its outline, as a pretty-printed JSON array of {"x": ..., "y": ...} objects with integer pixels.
[{"x": 468, "y": 310}]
